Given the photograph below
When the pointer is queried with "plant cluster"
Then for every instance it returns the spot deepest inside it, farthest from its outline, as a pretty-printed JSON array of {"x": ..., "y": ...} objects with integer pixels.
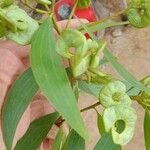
[{"x": 62, "y": 86}]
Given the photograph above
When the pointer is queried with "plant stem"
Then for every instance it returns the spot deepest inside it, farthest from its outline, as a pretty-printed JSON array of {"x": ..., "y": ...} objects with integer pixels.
[
  {"x": 72, "y": 13},
  {"x": 110, "y": 17},
  {"x": 61, "y": 120},
  {"x": 105, "y": 19},
  {"x": 56, "y": 25},
  {"x": 90, "y": 107},
  {"x": 105, "y": 25},
  {"x": 35, "y": 9},
  {"x": 47, "y": 7}
]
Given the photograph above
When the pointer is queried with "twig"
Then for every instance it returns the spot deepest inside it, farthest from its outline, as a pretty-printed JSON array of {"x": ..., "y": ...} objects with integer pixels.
[{"x": 90, "y": 107}]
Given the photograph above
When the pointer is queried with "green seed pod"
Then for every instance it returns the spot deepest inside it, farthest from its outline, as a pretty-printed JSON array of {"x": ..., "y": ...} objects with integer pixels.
[
  {"x": 92, "y": 44},
  {"x": 4, "y": 3},
  {"x": 47, "y": 2},
  {"x": 114, "y": 93},
  {"x": 71, "y": 38},
  {"x": 79, "y": 66},
  {"x": 26, "y": 26},
  {"x": 139, "y": 13},
  {"x": 120, "y": 113},
  {"x": 95, "y": 57}
]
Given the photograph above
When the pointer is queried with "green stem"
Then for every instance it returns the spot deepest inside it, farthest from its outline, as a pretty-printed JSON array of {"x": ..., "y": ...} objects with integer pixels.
[
  {"x": 90, "y": 107},
  {"x": 56, "y": 25},
  {"x": 105, "y": 25},
  {"x": 72, "y": 13},
  {"x": 47, "y": 7},
  {"x": 35, "y": 9},
  {"x": 105, "y": 19}
]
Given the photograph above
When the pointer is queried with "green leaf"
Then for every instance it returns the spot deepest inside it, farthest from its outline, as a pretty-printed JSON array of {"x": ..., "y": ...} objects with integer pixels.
[
  {"x": 103, "y": 61},
  {"x": 147, "y": 129},
  {"x": 100, "y": 124},
  {"x": 92, "y": 89},
  {"x": 52, "y": 78},
  {"x": 124, "y": 73},
  {"x": 75, "y": 141},
  {"x": 131, "y": 91},
  {"x": 58, "y": 140},
  {"x": 106, "y": 143},
  {"x": 16, "y": 102},
  {"x": 36, "y": 132},
  {"x": 96, "y": 26}
]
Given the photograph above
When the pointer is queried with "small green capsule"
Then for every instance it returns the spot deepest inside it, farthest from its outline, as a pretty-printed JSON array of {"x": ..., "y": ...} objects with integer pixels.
[
  {"x": 120, "y": 113},
  {"x": 114, "y": 93},
  {"x": 71, "y": 38},
  {"x": 26, "y": 26},
  {"x": 139, "y": 13}
]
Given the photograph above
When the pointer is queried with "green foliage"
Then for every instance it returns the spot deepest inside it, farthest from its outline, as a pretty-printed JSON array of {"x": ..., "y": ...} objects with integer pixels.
[
  {"x": 16, "y": 102},
  {"x": 147, "y": 129},
  {"x": 100, "y": 124},
  {"x": 106, "y": 143},
  {"x": 139, "y": 13},
  {"x": 52, "y": 78},
  {"x": 117, "y": 122},
  {"x": 58, "y": 140},
  {"x": 123, "y": 72},
  {"x": 74, "y": 142},
  {"x": 90, "y": 88},
  {"x": 36, "y": 132}
]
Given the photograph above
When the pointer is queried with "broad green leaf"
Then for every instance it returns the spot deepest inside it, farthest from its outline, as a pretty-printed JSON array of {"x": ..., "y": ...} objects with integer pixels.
[
  {"x": 16, "y": 102},
  {"x": 36, "y": 132},
  {"x": 124, "y": 73},
  {"x": 92, "y": 89},
  {"x": 147, "y": 129},
  {"x": 52, "y": 78},
  {"x": 58, "y": 140},
  {"x": 100, "y": 124},
  {"x": 75, "y": 141},
  {"x": 106, "y": 143}
]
